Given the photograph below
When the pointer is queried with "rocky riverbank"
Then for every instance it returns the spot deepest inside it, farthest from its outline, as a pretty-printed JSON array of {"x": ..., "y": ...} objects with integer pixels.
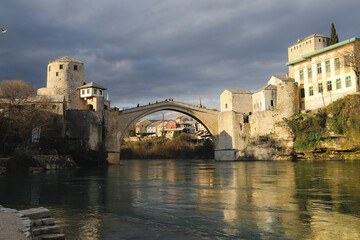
[
  {"x": 35, "y": 163},
  {"x": 34, "y": 223}
]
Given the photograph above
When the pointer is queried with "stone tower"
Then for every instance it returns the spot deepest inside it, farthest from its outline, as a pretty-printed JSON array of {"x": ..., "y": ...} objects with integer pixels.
[
  {"x": 64, "y": 76},
  {"x": 305, "y": 46},
  {"x": 288, "y": 98}
]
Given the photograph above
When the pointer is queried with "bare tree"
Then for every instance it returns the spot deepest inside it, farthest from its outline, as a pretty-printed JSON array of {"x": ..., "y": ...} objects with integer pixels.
[
  {"x": 352, "y": 60},
  {"x": 20, "y": 115},
  {"x": 16, "y": 91}
]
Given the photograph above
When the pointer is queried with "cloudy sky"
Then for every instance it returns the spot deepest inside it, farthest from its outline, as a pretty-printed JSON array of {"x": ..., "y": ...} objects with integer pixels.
[{"x": 148, "y": 50}]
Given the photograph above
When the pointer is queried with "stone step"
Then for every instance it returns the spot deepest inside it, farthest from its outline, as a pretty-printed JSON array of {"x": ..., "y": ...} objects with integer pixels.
[
  {"x": 45, "y": 230},
  {"x": 57, "y": 236},
  {"x": 36, "y": 213},
  {"x": 43, "y": 222}
]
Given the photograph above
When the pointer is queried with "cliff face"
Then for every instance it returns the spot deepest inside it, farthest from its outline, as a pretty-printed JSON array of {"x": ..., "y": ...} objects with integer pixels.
[{"x": 331, "y": 133}]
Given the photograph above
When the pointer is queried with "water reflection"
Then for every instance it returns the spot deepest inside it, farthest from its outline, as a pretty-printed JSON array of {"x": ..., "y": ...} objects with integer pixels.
[{"x": 162, "y": 199}]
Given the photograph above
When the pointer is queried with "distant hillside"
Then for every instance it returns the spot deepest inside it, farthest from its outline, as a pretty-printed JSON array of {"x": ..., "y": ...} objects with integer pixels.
[{"x": 334, "y": 129}]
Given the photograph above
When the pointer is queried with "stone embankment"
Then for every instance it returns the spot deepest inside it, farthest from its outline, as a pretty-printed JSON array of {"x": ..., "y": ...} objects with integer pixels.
[{"x": 34, "y": 223}]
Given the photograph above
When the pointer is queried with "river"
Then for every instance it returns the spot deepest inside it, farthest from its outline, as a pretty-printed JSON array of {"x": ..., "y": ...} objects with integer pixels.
[{"x": 196, "y": 199}]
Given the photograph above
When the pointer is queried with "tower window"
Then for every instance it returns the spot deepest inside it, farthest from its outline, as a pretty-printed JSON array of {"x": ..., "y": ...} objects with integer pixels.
[
  {"x": 337, "y": 63},
  {"x": 87, "y": 91},
  {"x": 100, "y": 92},
  {"x": 318, "y": 68},
  {"x": 310, "y": 72},
  {"x": 338, "y": 83},
  {"x": 95, "y": 91},
  {"x": 311, "y": 91},
  {"x": 61, "y": 66},
  {"x": 57, "y": 74},
  {"x": 49, "y": 68},
  {"x": 348, "y": 81},
  {"x": 347, "y": 61},
  {"x": 301, "y": 74},
  {"x": 320, "y": 87},
  {"x": 329, "y": 86},
  {"x": 327, "y": 65},
  {"x": 75, "y": 67},
  {"x": 225, "y": 105},
  {"x": 302, "y": 93}
]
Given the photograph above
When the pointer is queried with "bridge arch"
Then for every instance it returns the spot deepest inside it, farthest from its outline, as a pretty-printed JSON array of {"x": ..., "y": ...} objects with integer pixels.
[
  {"x": 125, "y": 118},
  {"x": 143, "y": 111}
]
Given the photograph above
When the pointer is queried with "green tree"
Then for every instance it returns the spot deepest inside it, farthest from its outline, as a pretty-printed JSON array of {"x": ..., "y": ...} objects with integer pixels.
[{"x": 334, "y": 38}]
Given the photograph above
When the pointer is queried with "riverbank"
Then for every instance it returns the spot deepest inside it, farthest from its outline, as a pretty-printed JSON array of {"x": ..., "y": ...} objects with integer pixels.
[
  {"x": 34, "y": 223},
  {"x": 162, "y": 148}
]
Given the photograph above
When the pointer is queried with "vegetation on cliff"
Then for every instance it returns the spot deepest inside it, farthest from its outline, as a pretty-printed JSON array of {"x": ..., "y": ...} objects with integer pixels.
[
  {"x": 178, "y": 147},
  {"x": 340, "y": 120}
]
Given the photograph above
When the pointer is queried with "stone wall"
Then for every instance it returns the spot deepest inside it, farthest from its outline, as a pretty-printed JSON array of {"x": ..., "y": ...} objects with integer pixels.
[
  {"x": 112, "y": 136},
  {"x": 234, "y": 135},
  {"x": 84, "y": 125}
]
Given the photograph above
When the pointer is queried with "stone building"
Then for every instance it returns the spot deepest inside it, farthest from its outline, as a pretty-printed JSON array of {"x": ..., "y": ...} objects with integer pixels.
[
  {"x": 140, "y": 127},
  {"x": 324, "y": 74},
  {"x": 238, "y": 100},
  {"x": 64, "y": 76},
  {"x": 65, "y": 82}
]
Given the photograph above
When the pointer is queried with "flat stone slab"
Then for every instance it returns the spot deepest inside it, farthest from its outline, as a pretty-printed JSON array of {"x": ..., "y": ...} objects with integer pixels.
[
  {"x": 45, "y": 230},
  {"x": 36, "y": 213},
  {"x": 58, "y": 236},
  {"x": 43, "y": 221}
]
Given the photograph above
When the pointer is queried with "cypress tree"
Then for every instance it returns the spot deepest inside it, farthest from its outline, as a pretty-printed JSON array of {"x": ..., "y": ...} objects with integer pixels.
[{"x": 333, "y": 36}]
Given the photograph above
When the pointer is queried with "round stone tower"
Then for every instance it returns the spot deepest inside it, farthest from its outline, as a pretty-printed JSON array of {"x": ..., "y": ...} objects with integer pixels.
[
  {"x": 288, "y": 98},
  {"x": 64, "y": 76}
]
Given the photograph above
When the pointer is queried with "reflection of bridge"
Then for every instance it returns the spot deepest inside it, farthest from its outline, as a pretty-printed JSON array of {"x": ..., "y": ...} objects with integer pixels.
[{"x": 120, "y": 121}]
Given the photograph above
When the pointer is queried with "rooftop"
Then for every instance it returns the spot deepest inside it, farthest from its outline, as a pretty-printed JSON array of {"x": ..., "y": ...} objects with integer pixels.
[
  {"x": 92, "y": 84},
  {"x": 66, "y": 59},
  {"x": 309, "y": 55}
]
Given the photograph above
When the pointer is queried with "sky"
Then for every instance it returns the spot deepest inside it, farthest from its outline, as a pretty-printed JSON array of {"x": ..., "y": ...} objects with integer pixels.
[{"x": 148, "y": 50}]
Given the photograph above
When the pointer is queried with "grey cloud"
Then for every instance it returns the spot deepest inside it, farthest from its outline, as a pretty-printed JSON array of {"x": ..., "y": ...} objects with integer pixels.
[{"x": 148, "y": 50}]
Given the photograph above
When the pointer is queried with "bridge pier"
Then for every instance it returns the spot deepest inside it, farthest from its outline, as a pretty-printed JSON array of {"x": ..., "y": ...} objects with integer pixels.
[{"x": 113, "y": 158}]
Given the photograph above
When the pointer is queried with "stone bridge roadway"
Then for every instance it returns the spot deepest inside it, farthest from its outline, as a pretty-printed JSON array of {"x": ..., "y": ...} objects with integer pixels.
[{"x": 120, "y": 121}]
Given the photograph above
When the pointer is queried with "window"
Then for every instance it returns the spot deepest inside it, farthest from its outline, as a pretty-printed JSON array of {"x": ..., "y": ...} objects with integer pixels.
[
  {"x": 311, "y": 91},
  {"x": 337, "y": 63},
  {"x": 87, "y": 91},
  {"x": 302, "y": 91},
  {"x": 83, "y": 91},
  {"x": 57, "y": 74},
  {"x": 272, "y": 103},
  {"x": 348, "y": 81},
  {"x": 329, "y": 86},
  {"x": 53, "y": 106},
  {"x": 95, "y": 91},
  {"x": 301, "y": 74},
  {"x": 327, "y": 65},
  {"x": 309, "y": 72},
  {"x": 49, "y": 68},
  {"x": 75, "y": 67},
  {"x": 347, "y": 61},
  {"x": 320, "y": 88},
  {"x": 100, "y": 92},
  {"x": 319, "y": 68},
  {"x": 338, "y": 83},
  {"x": 61, "y": 66}
]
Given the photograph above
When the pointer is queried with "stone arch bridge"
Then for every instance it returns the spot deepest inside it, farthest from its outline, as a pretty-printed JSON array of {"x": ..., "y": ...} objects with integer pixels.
[{"x": 117, "y": 123}]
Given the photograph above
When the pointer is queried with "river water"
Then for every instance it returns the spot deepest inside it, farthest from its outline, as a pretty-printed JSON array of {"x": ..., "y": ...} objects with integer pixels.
[{"x": 192, "y": 199}]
